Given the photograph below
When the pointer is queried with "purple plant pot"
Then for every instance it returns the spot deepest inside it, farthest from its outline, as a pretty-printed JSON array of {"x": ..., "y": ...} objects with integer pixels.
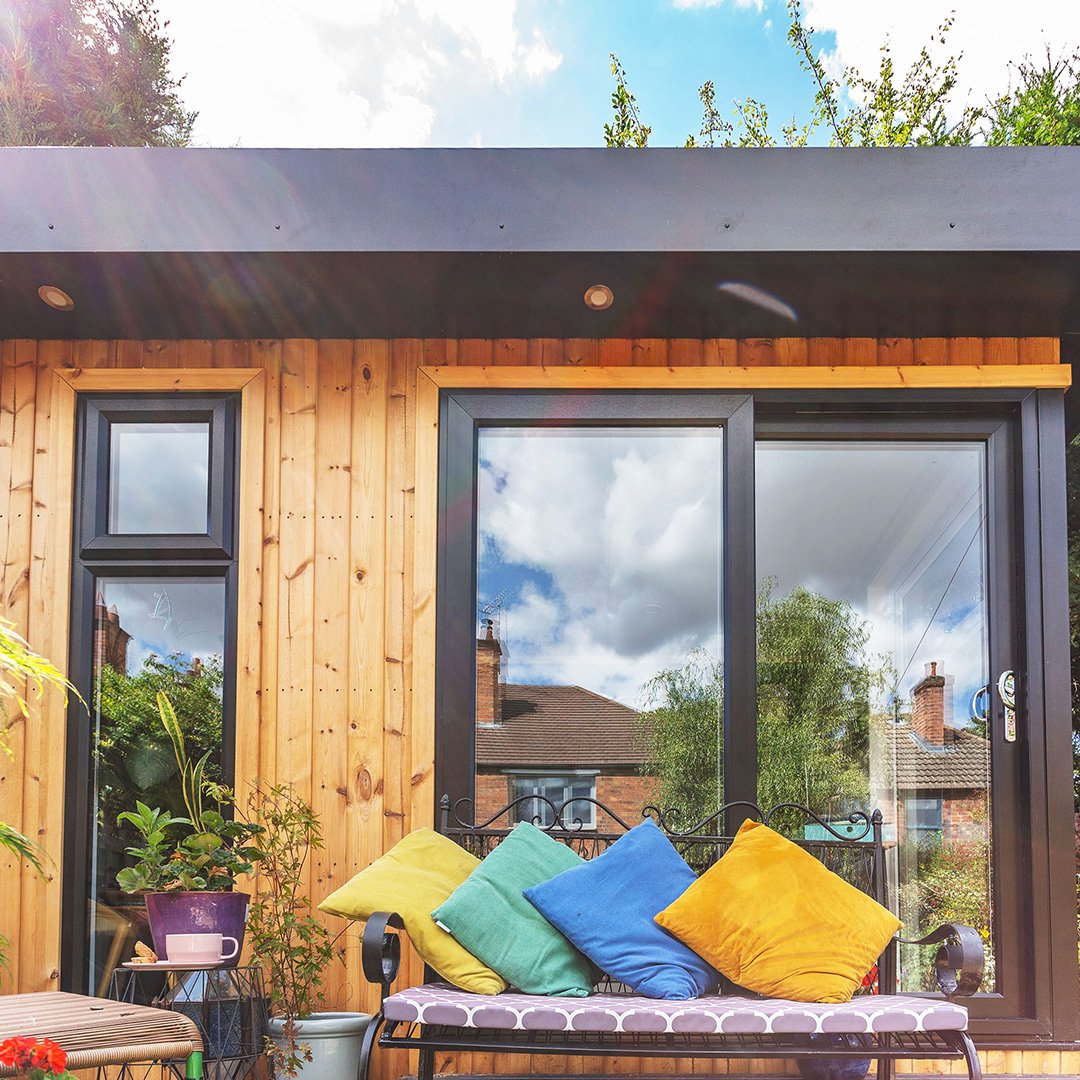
[{"x": 197, "y": 913}]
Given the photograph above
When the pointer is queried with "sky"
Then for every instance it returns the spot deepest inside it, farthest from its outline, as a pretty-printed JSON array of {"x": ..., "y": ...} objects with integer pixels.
[
  {"x": 599, "y": 550},
  {"x": 536, "y": 72}
]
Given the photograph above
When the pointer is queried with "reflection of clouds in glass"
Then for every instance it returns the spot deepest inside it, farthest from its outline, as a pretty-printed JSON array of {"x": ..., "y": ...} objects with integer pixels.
[
  {"x": 897, "y": 530},
  {"x": 607, "y": 544},
  {"x": 159, "y": 478},
  {"x": 197, "y": 628}
]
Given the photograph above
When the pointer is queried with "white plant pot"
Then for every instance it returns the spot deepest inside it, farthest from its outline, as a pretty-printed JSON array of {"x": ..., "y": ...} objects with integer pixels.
[{"x": 335, "y": 1039}]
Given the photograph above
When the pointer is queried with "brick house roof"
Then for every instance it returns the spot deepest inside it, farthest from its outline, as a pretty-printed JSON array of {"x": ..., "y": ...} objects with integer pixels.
[
  {"x": 963, "y": 761},
  {"x": 559, "y": 726}
]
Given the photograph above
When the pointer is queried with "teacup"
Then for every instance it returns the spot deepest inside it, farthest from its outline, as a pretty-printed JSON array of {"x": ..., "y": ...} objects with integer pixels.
[{"x": 198, "y": 948}]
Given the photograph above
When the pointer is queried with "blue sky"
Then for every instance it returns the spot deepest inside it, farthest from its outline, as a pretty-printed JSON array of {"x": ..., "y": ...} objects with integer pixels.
[{"x": 536, "y": 72}]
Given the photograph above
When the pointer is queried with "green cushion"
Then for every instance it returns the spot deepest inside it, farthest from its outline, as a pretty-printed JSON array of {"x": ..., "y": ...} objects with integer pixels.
[{"x": 488, "y": 916}]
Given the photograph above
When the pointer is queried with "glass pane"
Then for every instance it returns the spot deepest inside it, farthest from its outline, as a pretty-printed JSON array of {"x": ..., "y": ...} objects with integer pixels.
[
  {"x": 158, "y": 478},
  {"x": 599, "y": 600},
  {"x": 872, "y": 658},
  {"x": 148, "y": 635}
]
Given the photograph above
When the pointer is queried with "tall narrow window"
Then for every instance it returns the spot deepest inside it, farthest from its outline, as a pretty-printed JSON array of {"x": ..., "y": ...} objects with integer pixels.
[{"x": 153, "y": 610}]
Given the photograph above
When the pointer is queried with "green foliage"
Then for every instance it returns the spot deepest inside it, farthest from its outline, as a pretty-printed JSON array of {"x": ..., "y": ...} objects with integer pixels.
[
  {"x": 888, "y": 108},
  {"x": 213, "y": 851},
  {"x": 949, "y": 884},
  {"x": 1043, "y": 109},
  {"x": 135, "y": 759},
  {"x": 682, "y": 733},
  {"x": 88, "y": 73},
  {"x": 815, "y": 683},
  {"x": 626, "y": 129},
  {"x": 24, "y": 677},
  {"x": 286, "y": 937}
]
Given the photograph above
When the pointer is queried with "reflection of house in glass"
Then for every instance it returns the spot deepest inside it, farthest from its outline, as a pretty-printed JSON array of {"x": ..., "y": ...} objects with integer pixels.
[
  {"x": 557, "y": 742},
  {"x": 110, "y": 638},
  {"x": 935, "y": 773}
]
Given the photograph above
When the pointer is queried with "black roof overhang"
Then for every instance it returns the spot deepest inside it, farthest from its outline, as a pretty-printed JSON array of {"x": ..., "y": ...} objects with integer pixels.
[{"x": 482, "y": 243}]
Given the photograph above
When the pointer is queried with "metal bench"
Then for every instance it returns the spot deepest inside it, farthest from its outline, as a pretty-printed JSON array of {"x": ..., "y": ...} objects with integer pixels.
[{"x": 611, "y": 1022}]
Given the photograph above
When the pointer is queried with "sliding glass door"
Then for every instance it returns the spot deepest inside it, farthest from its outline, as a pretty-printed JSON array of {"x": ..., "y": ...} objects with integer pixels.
[{"x": 681, "y": 600}]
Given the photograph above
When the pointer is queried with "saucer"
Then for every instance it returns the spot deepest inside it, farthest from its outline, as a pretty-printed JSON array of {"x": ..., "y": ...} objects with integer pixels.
[{"x": 171, "y": 965}]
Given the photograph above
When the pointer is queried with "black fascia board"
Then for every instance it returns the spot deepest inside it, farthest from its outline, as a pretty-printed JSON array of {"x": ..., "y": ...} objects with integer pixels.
[
  {"x": 537, "y": 200},
  {"x": 482, "y": 243}
]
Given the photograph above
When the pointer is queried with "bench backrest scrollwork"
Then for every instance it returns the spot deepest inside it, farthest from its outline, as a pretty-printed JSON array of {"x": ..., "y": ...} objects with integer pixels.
[{"x": 854, "y": 851}]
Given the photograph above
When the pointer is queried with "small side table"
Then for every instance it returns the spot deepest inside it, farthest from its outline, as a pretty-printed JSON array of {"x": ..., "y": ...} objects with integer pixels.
[{"x": 228, "y": 1006}]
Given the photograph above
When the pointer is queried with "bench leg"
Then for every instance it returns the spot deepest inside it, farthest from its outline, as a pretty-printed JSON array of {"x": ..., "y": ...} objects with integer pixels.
[
  {"x": 194, "y": 1066},
  {"x": 971, "y": 1057},
  {"x": 367, "y": 1046},
  {"x": 425, "y": 1069},
  {"x": 885, "y": 1065}
]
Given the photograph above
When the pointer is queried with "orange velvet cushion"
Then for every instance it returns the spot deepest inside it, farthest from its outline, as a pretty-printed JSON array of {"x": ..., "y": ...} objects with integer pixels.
[{"x": 773, "y": 919}]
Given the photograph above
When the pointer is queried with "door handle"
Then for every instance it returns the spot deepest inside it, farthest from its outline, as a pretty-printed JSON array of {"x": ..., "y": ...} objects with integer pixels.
[{"x": 1006, "y": 688}]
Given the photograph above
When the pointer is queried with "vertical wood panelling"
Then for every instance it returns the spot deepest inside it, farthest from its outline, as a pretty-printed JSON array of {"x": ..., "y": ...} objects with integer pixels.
[
  {"x": 367, "y": 629},
  {"x": 685, "y": 352},
  {"x": 330, "y": 681},
  {"x": 18, "y": 377},
  {"x": 250, "y": 589},
  {"x": 649, "y": 352},
  {"x": 270, "y": 608},
  {"x": 43, "y": 778},
  {"x": 335, "y": 650},
  {"x": 296, "y": 573}
]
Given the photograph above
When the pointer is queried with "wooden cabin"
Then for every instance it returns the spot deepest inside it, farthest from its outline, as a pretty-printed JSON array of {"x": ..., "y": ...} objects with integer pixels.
[{"x": 280, "y": 430}]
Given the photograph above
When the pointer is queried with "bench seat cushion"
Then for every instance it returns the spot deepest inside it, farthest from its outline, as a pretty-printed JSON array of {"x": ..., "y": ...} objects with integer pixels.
[{"x": 716, "y": 1015}]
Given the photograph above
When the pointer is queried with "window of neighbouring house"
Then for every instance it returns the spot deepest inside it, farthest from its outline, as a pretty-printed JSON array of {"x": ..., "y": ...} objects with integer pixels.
[
  {"x": 543, "y": 797},
  {"x": 923, "y": 816},
  {"x": 153, "y": 591}
]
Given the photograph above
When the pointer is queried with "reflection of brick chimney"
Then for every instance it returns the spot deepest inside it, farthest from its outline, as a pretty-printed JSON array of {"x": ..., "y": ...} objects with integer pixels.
[
  {"x": 928, "y": 708},
  {"x": 110, "y": 638},
  {"x": 488, "y": 690}
]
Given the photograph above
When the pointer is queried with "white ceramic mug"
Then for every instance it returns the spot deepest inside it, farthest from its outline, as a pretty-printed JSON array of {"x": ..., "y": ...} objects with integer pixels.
[{"x": 198, "y": 948}]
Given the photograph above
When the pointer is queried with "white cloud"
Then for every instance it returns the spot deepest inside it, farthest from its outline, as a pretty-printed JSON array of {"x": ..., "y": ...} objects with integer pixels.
[
  {"x": 335, "y": 73},
  {"x": 623, "y": 532},
  {"x": 989, "y": 35},
  {"x": 687, "y": 5}
]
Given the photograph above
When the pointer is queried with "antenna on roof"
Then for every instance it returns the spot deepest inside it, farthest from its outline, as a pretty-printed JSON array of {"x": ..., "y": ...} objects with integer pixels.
[{"x": 493, "y": 612}]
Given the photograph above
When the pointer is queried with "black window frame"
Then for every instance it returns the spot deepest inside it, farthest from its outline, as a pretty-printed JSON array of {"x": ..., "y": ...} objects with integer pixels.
[
  {"x": 1031, "y": 420},
  {"x": 96, "y": 554}
]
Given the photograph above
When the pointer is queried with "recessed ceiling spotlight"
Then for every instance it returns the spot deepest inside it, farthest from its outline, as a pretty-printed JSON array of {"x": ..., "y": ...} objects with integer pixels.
[
  {"x": 761, "y": 298},
  {"x": 599, "y": 297},
  {"x": 55, "y": 297}
]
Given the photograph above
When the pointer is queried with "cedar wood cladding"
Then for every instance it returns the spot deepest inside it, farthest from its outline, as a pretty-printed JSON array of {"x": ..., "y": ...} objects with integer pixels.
[{"x": 329, "y": 570}]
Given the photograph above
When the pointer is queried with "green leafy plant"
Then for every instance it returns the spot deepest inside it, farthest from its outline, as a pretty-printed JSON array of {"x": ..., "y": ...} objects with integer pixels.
[
  {"x": 285, "y": 936},
  {"x": 212, "y": 852}
]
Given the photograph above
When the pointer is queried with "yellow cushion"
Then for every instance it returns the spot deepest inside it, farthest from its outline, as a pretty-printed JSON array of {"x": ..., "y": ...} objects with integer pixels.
[
  {"x": 413, "y": 878},
  {"x": 771, "y": 918}
]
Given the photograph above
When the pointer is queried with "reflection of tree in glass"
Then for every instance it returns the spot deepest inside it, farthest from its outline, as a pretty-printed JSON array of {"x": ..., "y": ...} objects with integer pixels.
[
  {"x": 135, "y": 759},
  {"x": 815, "y": 684}
]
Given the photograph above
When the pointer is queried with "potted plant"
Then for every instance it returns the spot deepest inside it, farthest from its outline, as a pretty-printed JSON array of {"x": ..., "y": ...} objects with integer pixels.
[
  {"x": 187, "y": 866},
  {"x": 293, "y": 947}
]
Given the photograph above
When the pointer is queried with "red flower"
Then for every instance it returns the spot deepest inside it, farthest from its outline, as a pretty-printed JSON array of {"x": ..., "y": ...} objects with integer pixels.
[{"x": 25, "y": 1053}]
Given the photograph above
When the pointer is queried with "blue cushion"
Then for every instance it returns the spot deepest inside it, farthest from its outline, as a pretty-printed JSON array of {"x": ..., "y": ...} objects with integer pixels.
[{"x": 606, "y": 907}]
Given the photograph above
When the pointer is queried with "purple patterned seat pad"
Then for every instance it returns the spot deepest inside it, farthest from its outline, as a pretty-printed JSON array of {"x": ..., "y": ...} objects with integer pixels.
[{"x": 438, "y": 1003}]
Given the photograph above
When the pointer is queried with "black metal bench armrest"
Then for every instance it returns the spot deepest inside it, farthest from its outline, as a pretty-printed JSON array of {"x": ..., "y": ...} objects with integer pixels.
[
  {"x": 959, "y": 964},
  {"x": 380, "y": 949}
]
